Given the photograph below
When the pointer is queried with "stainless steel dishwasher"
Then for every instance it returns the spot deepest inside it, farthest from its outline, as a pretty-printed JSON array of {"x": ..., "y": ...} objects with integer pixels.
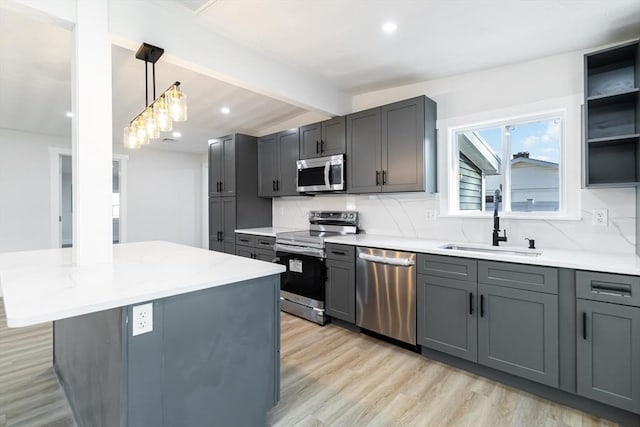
[{"x": 386, "y": 293}]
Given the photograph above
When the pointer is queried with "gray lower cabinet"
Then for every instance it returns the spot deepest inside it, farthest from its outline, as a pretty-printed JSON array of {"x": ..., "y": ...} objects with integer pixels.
[
  {"x": 256, "y": 247},
  {"x": 608, "y": 342},
  {"x": 447, "y": 318},
  {"x": 518, "y": 332},
  {"x": 222, "y": 224},
  {"x": 340, "y": 289}
]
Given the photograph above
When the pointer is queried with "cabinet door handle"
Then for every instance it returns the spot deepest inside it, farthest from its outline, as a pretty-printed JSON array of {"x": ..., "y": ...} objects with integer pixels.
[
  {"x": 273, "y": 185},
  {"x": 384, "y": 177},
  {"x": 321, "y": 146},
  {"x": 339, "y": 253},
  {"x": 221, "y": 186},
  {"x": 481, "y": 305},
  {"x": 377, "y": 177},
  {"x": 277, "y": 185},
  {"x": 470, "y": 302},
  {"x": 317, "y": 147},
  {"x": 584, "y": 325}
]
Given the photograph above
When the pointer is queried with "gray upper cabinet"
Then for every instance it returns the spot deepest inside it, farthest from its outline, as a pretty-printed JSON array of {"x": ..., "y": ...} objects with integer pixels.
[
  {"x": 323, "y": 139},
  {"x": 608, "y": 353},
  {"x": 364, "y": 152},
  {"x": 288, "y": 146},
  {"x": 267, "y": 165},
  {"x": 611, "y": 116},
  {"x": 392, "y": 148},
  {"x": 447, "y": 319},
  {"x": 222, "y": 167},
  {"x": 518, "y": 332},
  {"x": 277, "y": 156}
]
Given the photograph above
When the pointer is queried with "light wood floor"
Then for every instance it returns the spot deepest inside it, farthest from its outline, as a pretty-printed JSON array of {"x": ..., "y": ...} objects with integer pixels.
[
  {"x": 329, "y": 377},
  {"x": 30, "y": 394},
  {"x": 334, "y": 377}
]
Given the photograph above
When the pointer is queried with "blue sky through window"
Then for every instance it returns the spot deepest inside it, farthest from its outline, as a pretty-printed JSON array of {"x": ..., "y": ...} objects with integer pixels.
[{"x": 540, "y": 139}]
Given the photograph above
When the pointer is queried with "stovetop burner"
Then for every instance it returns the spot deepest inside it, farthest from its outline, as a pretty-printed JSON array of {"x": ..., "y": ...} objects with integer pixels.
[{"x": 322, "y": 224}]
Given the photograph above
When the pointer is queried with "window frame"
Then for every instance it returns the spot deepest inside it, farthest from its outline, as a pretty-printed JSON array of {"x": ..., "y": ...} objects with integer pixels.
[{"x": 453, "y": 208}]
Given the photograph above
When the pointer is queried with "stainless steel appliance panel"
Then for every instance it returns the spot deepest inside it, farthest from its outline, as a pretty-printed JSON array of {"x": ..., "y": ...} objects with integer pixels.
[
  {"x": 321, "y": 174},
  {"x": 386, "y": 293}
]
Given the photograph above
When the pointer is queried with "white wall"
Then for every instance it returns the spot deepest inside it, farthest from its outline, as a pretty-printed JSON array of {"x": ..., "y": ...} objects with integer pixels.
[
  {"x": 164, "y": 193},
  {"x": 164, "y": 196},
  {"x": 476, "y": 97}
]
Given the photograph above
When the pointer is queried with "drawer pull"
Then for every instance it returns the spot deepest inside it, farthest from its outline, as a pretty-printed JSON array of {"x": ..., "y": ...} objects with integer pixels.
[
  {"x": 343, "y": 253},
  {"x": 611, "y": 289}
]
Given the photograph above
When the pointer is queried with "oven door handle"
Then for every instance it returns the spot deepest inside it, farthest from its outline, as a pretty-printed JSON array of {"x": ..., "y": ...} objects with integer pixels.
[
  {"x": 405, "y": 262},
  {"x": 282, "y": 247}
]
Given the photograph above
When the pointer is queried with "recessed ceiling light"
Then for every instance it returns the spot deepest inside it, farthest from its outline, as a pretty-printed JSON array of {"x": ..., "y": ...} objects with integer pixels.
[
  {"x": 389, "y": 27},
  {"x": 176, "y": 134},
  {"x": 225, "y": 110},
  {"x": 69, "y": 114}
]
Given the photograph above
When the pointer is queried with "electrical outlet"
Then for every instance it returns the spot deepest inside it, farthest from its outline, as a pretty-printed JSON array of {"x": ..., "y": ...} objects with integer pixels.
[
  {"x": 142, "y": 321},
  {"x": 431, "y": 215},
  {"x": 600, "y": 217}
]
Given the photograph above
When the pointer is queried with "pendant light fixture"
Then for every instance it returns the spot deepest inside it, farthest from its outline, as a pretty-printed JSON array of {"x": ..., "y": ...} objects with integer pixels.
[{"x": 158, "y": 116}]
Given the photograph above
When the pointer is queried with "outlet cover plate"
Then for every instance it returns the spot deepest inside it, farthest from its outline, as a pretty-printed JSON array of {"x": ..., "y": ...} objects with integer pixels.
[
  {"x": 142, "y": 319},
  {"x": 601, "y": 217}
]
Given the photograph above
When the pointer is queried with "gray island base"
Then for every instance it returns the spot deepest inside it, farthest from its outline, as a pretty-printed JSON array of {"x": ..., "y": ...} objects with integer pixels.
[{"x": 212, "y": 359}]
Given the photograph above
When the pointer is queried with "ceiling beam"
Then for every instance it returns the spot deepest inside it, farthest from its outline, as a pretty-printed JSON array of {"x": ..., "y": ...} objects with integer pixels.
[{"x": 190, "y": 41}]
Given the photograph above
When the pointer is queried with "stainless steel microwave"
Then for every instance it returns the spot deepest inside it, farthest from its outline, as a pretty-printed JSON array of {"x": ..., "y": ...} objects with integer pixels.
[{"x": 321, "y": 174}]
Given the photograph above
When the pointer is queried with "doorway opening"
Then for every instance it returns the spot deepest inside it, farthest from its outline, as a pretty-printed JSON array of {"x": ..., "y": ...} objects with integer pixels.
[{"x": 65, "y": 200}]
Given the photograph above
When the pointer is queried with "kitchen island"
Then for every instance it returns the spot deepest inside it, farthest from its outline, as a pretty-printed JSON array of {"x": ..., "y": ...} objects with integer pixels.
[{"x": 208, "y": 354}]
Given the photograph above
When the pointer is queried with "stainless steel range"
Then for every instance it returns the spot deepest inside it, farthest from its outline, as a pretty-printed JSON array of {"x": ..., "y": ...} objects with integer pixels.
[{"x": 302, "y": 286}]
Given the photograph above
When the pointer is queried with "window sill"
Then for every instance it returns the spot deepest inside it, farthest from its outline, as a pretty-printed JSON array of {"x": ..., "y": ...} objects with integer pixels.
[{"x": 513, "y": 216}]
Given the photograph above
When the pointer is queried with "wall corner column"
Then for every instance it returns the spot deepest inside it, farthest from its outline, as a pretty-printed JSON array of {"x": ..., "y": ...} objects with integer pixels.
[{"x": 92, "y": 134}]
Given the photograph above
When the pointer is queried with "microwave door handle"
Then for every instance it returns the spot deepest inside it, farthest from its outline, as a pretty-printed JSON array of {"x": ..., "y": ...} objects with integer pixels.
[{"x": 327, "y": 168}]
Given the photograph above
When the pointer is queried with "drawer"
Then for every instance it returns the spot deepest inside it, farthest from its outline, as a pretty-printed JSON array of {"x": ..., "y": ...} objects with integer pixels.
[
  {"x": 520, "y": 276},
  {"x": 338, "y": 252},
  {"x": 607, "y": 287},
  {"x": 267, "y": 255},
  {"x": 265, "y": 242},
  {"x": 245, "y": 239},
  {"x": 448, "y": 267}
]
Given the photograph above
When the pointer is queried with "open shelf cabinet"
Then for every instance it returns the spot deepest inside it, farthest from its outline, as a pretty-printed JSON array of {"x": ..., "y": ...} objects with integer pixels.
[{"x": 612, "y": 116}]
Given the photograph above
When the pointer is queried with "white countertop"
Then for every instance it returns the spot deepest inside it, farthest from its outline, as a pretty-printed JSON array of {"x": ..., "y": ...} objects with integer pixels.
[
  {"x": 563, "y": 258},
  {"x": 265, "y": 231},
  {"x": 41, "y": 286}
]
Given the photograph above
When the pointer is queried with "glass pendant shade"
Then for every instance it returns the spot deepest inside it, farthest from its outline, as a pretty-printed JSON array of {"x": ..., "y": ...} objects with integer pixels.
[
  {"x": 150, "y": 122},
  {"x": 141, "y": 131},
  {"x": 162, "y": 116},
  {"x": 131, "y": 137},
  {"x": 177, "y": 101}
]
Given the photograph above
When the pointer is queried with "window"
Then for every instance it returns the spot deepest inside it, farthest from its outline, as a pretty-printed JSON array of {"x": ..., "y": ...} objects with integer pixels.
[{"x": 513, "y": 163}]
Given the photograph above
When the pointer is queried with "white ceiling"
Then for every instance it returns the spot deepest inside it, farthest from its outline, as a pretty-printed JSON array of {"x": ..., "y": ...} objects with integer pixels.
[
  {"x": 335, "y": 40},
  {"x": 35, "y": 90},
  {"x": 341, "y": 40}
]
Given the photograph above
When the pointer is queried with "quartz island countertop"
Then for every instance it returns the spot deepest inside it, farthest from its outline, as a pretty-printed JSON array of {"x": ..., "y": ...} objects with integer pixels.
[{"x": 44, "y": 285}]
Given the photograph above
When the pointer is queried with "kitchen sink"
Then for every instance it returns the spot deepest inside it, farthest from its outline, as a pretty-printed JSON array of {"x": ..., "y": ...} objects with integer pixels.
[{"x": 498, "y": 250}]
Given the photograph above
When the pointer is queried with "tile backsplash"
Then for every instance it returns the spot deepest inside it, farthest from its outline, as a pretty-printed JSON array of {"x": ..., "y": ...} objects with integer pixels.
[{"x": 418, "y": 215}]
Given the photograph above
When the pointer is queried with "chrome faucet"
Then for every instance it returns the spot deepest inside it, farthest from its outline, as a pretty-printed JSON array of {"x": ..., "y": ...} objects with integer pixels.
[{"x": 497, "y": 238}]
